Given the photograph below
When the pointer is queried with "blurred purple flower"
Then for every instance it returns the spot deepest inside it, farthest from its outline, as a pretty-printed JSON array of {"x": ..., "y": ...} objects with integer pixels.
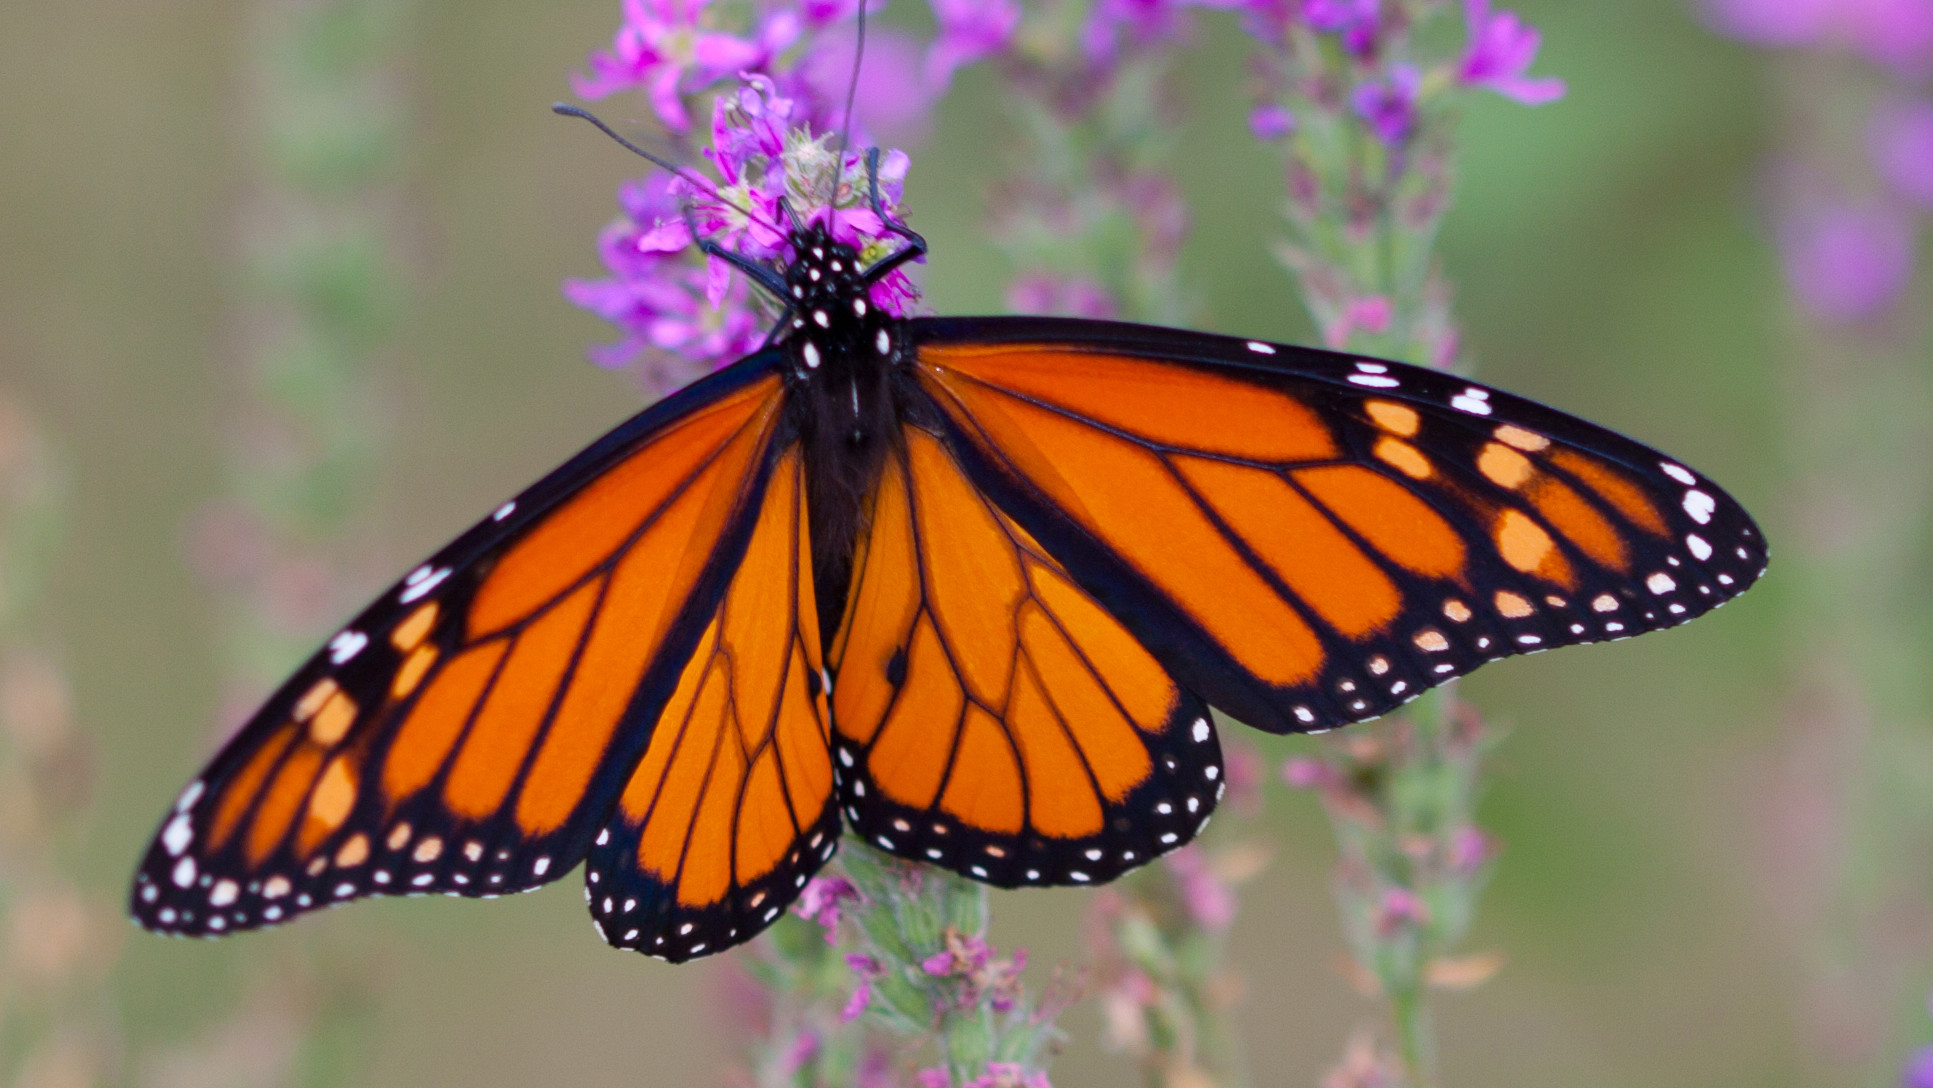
[
  {"x": 1039, "y": 293},
  {"x": 1356, "y": 22},
  {"x": 663, "y": 50},
  {"x": 892, "y": 102},
  {"x": 1389, "y": 105},
  {"x": 962, "y": 955},
  {"x": 1401, "y": 908},
  {"x": 1270, "y": 121},
  {"x": 1209, "y": 901},
  {"x": 1919, "y": 1069},
  {"x": 1469, "y": 849},
  {"x": 1008, "y": 1075},
  {"x": 1370, "y": 314},
  {"x": 804, "y": 1048},
  {"x": 969, "y": 31},
  {"x": 936, "y": 1077},
  {"x": 821, "y": 901},
  {"x": 1846, "y": 263},
  {"x": 1502, "y": 48},
  {"x": 1304, "y": 773},
  {"x": 1141, "y": 24},
  {"x": 868, "y": 969},
  {"x": 1898, "y": 33},
  {"x": 1902, "y": 148}
]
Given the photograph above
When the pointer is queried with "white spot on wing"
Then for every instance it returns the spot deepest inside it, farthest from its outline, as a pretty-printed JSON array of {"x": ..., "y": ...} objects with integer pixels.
[
  {"x": 504, "y": 511},
  {"x": 1678, "y": 472},
  {"x": 1473, "y": 400},
  {"x": 346, "y": 645},
  {"x": 189, "y": 796},
  {"x": 420, "y": 588},
  {"x": 178, "y": 835},
  {"x": 1700, "y": 506},
  {"x": 1660, "y": 583},
  {"x": 1260, "y": 348},
  {"x": 1698, "y": 546},
  {"x": 1375, "y": 381},
  {"x": 1201, "y": 730},
  {"x": 184, "y": 874}
]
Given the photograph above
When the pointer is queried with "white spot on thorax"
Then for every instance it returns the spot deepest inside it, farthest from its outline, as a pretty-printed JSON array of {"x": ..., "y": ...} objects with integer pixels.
[
  {"x": 883, "y": 342},
  {"x": 811, "y": 353},
  {"x": 859, "y": 306},
  {"x": 820, "y": 319}
]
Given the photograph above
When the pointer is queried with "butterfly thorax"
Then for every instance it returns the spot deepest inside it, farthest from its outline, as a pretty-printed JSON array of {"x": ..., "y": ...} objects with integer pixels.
[{"x": 841, "y": 354}]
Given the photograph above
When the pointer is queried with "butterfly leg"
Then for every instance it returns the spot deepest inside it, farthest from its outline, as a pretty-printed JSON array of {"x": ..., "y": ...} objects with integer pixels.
[{"x": 915, "y": 245}]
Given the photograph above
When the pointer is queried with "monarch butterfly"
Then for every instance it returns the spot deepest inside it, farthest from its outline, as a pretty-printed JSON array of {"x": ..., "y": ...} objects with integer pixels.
[{"x": 967, "y": 585}]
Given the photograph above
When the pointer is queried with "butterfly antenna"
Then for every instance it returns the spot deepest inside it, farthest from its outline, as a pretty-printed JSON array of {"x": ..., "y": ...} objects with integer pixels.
[
  {"x": 845, "y": 125},
  {"x": 703, "y": 183}
]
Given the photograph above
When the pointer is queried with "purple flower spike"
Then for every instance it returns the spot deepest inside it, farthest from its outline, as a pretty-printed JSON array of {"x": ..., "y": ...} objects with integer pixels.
[
  {"x": 1846, "y": 263},
  {"x": 1270, "y": 121},
  {"x": 1919, "y": 1069},
  {"x": 821, "y": 902},
  {"x": 662, "y": 50},
  {"x": 1389, "y": 105},
  {"x": 1902, "y": 148},
  {"x": 969, "y": 31},
  {"x": 1502, "y": 48}
]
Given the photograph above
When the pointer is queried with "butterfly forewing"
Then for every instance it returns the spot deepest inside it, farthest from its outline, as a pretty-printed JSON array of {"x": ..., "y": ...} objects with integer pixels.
[
  {"x": 991, "y": 717},
  {"x": 732, "y": 807},
  {"x": 1311, "y": 539},
  {"x": 467, "y": 733}
]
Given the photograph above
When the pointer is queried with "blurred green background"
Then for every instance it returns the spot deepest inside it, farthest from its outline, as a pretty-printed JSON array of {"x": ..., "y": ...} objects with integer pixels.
[{"x": 1607, "y": 260}]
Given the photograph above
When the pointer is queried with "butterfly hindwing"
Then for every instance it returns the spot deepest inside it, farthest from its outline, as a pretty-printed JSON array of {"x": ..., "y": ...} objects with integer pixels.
[
  {"x": 466, "y": 733},
  {"x": 732, "y": 808},
  {"x": 990, "y": 716},
  {"x": 1309, "y": 538}
]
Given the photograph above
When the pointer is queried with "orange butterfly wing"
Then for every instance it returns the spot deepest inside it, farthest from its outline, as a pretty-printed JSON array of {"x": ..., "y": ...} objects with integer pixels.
[
  {"x": 990, "y": 716},
  {"x": 732, "y": 807},
  {"x": 1309, "y": 539},
  {"x": 467, "y": 733}
]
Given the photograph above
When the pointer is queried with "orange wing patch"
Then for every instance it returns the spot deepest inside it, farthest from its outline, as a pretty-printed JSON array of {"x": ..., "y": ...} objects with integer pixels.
[
  {"x": 1291, "y": 534},
  {"x": 731, "y": 807},
  {"x": 991, "y": 716},
  {"x": 466, "y": 732}
]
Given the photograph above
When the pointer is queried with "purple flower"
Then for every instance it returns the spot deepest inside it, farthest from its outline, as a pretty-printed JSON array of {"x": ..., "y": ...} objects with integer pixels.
[
  {"x": 1209, "y": 900},
  {"x": 1040, "y": 293},
  {"x": 962, "y": 955},
  {"x": 868, "y": 969},
  {"x": 663, "y": 50},
  {"x": 1400, "y": 909},
  {"x": 1469, "y": 849},
  {"x": 1919, "y": 1069},
  {"x": 1389, "y": 105},
  {"x": 1271, "y": 121},
  {"x": 1303, "y": 773},
  {"x": 1501, "y": 49},
  {"x": 1356, "y": 22},
  {"x": 1902, "y": 148},
  {"x": 1370, "y": 314},
  {"x": 1008, "y": 1075},
  {"x": 1898, "y": 33},
  {"x": 969, "y": 31},
  {"x": 1844, "y": 262},
  {"x": 936, "y": 1077},
  {"x": 821, "y": 901},
  {"x": 892, "y": 102}
]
